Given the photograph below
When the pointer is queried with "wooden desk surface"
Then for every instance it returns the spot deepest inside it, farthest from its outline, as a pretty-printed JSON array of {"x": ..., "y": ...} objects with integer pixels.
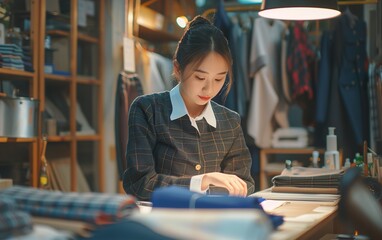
[{"x": 305, "y": 220}]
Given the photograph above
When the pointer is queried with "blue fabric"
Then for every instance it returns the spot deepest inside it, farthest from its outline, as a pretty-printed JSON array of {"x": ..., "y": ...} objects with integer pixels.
[
  {"x": 353, "y": 76},
  {"x": 324, "y": 76},
  {"x": 178, "y": 197}
]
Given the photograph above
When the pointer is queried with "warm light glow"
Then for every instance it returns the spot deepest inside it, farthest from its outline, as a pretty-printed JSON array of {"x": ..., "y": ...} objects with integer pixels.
[
  {"x": 355, "y": 233},
  {"x": 299, "y": 13},
  {"x": 182, "y": 21}
]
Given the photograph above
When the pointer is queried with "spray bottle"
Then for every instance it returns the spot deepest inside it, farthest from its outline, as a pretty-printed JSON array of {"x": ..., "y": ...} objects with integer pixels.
[{"x": 332, "y": 156}]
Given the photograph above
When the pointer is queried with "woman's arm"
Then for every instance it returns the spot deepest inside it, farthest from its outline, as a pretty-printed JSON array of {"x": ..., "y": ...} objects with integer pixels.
[
  {"x": 238, "y": 161},
  {"x": 140, "y": 178}
]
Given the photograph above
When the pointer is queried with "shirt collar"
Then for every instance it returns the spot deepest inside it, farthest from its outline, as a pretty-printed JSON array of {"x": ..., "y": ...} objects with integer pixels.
[{"x": 179, "y": 109}]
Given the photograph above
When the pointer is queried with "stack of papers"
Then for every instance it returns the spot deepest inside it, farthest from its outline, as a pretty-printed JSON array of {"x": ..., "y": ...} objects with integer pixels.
[{"x": 269, "y": 195}]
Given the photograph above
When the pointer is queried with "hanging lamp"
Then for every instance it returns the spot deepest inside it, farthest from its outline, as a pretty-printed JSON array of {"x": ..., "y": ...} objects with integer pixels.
[{"x": 299, "y": 9}]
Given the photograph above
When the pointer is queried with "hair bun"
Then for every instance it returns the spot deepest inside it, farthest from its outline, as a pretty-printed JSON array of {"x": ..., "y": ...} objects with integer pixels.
[{"x": 198, "y": 20}]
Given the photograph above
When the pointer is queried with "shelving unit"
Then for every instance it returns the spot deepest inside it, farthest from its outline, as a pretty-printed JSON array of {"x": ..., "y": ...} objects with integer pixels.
[
  {"x": 19, "y": 156},
  {"x": 83, "y": 87},
  {"x": 80, "y": 48}
]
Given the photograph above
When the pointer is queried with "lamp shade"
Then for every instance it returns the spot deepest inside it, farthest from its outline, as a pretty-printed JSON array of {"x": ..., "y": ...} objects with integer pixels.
[{"x": 299, "y": 9}]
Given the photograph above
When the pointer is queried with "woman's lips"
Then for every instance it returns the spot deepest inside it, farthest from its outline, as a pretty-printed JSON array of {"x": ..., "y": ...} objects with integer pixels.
[{"x": 204, "y": 98}]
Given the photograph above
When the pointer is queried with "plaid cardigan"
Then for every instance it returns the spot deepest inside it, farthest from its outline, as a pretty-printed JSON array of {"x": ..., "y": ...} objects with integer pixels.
[{"x": 161, "y": 152}]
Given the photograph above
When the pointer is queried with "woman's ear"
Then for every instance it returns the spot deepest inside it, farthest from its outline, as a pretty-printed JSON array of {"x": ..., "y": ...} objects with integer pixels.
[{"x": 176, "y": 70}]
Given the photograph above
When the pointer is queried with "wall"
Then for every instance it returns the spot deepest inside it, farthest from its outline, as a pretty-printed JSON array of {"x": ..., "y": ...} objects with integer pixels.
[{"x": 114, "y": 31}]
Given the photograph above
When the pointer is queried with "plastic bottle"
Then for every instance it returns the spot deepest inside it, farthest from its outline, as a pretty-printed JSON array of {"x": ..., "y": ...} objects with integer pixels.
[
  {"x": 347, "y": 163},
  {"x": 315, "y": 159},
  {"x": 332, "y": 156}
]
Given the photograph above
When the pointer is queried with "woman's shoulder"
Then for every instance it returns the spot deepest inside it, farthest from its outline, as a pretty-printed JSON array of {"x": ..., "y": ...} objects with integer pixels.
[
  {"x": 223, "y": 113},
  {"x": 152, "y": 99}
]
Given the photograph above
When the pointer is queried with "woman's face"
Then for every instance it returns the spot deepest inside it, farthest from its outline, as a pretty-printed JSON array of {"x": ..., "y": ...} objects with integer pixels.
[{"x": 199, "y": 84}]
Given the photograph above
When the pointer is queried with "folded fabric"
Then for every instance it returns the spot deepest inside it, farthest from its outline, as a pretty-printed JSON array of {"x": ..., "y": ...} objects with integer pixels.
[
  {"x": 89, "y": 207},
  {"x": 13, "y": 222},
  {"x": 287, "y": 189},
  {"x": 308, "y": 177},
  {"x": 178, "y": 197},
  {"x": 7, "y": 204}
]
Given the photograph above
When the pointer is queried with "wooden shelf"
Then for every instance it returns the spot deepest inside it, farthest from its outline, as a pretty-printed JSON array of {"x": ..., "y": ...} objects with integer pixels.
[
  {"x": 56, "y": 77},
  {"x": 307, "y": 150},
  {"x": 59, "y": 138},
  {"x": 88, "y": 80},
  {"x": 87, "y": 38},
  {"x": 19, "y": 140},
  {"x": 58, "y": 33},
  {"x": 88, "y": 137},
  {"x": 16, "y": 73},
  {"x": 156, "y": 35}
]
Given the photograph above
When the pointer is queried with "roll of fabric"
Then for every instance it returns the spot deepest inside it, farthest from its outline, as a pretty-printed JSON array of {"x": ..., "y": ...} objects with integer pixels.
[
  {"x": 95, "y": 208},
  {"x": 178, "y": 197}
]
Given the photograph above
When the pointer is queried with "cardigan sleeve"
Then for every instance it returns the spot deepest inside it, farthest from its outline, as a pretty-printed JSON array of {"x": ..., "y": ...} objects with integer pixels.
[
  {"x": 140, "y": 178},
  {"x": 238, "y": 160}
]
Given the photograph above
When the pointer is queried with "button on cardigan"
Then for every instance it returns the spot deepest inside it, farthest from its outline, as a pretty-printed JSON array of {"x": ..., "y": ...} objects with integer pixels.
[{"x": 161, "y": 152}]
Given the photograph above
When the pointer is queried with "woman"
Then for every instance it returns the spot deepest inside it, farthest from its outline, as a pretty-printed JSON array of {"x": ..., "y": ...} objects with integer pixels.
[{"x": 183, "y": 138}]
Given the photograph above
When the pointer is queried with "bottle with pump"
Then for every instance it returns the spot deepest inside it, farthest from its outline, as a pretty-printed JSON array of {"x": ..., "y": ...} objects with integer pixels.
[{"x": 332, "y": 156}]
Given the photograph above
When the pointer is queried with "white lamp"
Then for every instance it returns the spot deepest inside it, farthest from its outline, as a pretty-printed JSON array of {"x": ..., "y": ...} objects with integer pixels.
[{"x": 299, "y": 9}]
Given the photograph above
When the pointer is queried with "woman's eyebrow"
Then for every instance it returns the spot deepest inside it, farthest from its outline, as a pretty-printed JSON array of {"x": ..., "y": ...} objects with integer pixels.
[{"x": 201, "y": 71}]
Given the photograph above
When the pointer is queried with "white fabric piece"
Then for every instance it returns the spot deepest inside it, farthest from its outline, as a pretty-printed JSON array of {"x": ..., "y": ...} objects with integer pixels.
[
  {"x": 160, "y": 73},
  {"x": 223, "y": 224},
  {"x": 267, "y": 108}
]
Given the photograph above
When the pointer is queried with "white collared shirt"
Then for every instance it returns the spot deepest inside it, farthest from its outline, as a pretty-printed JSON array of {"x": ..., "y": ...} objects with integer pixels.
[{"x": 179, "y": 110}]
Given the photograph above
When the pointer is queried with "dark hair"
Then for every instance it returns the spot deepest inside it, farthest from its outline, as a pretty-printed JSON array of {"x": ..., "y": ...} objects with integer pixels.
[{"x": 200, "y": 38}]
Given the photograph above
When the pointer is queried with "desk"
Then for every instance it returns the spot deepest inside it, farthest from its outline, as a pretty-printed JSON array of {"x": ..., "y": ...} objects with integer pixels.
[{"x": 305, "y": 220}]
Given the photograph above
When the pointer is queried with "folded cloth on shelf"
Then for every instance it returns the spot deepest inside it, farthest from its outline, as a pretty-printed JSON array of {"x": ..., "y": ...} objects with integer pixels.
[
  {"x": 308, "y": 178},
  {"x": 92, "y": 207},
  {"x": 286, "y": 189},
  {"x": 178, "y": 197},
  {"x": 13, "y": 222},
  {"x": 290, "y": 138}
]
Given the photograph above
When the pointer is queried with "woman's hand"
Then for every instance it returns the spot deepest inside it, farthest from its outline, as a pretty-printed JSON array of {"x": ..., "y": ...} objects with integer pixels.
[{"x": 234, "y": 184}]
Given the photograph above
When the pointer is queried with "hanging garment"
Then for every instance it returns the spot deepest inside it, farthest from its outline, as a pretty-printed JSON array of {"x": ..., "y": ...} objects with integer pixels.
[
  {"x": 301, "y": 64},
  {"x": 128, "y": 88},
  {"x": 268, "y": 109},
  {"x": 342, "y": 100}
]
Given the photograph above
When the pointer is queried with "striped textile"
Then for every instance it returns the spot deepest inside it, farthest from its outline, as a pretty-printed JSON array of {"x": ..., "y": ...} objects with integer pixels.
[
  {"x": 13, "y": 222},
  {"x": 309, "y": 178},
  {"x": 95, "y": 208}
]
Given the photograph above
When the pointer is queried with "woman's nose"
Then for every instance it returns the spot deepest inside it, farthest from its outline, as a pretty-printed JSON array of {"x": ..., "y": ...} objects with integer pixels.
[{"x": 207, "y": 86}]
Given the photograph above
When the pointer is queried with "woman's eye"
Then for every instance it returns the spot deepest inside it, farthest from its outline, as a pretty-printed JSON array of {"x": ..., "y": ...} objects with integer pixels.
[
  {"x": 218, "y": 79},
  {"x": 200, "y": 78}
]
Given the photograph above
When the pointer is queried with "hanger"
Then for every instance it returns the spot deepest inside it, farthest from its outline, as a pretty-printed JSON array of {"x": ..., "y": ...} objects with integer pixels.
[{"x": 351, "y": 17}]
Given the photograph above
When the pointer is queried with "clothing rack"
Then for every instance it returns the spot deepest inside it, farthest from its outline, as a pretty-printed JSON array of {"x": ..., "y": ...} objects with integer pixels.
[{"x": 256, "y": 7}]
